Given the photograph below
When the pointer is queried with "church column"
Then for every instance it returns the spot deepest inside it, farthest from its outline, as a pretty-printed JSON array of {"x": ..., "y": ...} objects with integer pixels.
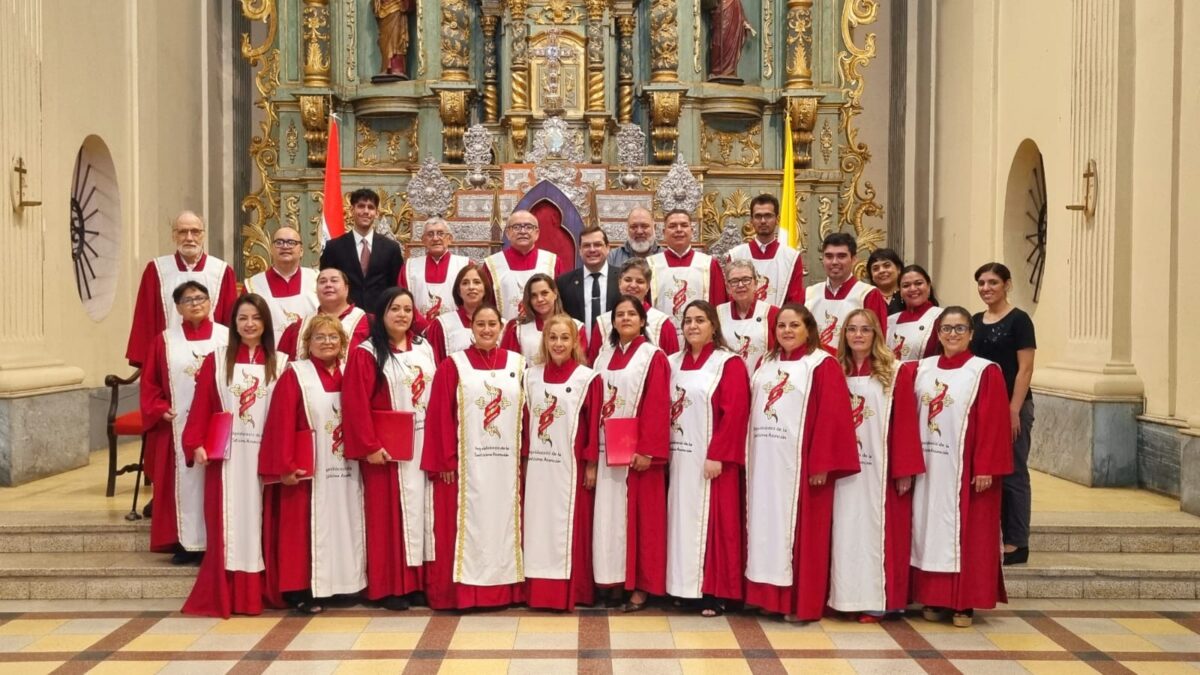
[
  {"x": 314, "y": 42},
  {"x": 518, "y": 116},
  {"x": 626, "y": 25},
  {"x": 664, "y": 90},
  {"x": 799, "y": 44},
  {"x": 455, "y": 88},
  {"x": 596, "y": 115},
  {"x": 1086, "y": 402},
  {"x": 491, "y": 95}
]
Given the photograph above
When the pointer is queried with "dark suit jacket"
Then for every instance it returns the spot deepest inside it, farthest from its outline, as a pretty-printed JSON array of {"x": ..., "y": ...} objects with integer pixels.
[
  {"x": 386, "y": 258},
  {"x": 574, "y": 289}
]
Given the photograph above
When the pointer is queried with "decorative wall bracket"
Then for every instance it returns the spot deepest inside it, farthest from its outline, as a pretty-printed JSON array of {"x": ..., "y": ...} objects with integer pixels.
[
  {"x": 314, "y": 113},
  {"x": 452, "y": 109},
  {"x": 803, "y": 112},
  {"x": 665, "y": 106},
  {"x": 1089, "y": 192}
]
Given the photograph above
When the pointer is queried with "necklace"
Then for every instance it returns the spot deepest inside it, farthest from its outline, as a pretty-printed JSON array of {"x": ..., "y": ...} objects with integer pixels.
[{"x": 490, "y": 360}]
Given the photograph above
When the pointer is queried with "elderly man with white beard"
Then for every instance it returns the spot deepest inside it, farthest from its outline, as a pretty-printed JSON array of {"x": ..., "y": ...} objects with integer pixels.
[{"x": 640, "y": 241}]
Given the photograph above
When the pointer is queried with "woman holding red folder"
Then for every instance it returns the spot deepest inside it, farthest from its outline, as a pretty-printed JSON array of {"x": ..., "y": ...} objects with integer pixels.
[
  {"x": 560, "y": 443},
  {"x": 634, "y": 279},
  {"x": 710, "y": 408},
  {"x": 801, "y": 440},
  {"x": 394, "y": 487},
  {"x": 313, "y": 535},
  {"x": 539, "y": 302},
  {"x": 237, "y": 381},
  {"x": 629, "y": 531},
  {"x": 450, "y": 332}
]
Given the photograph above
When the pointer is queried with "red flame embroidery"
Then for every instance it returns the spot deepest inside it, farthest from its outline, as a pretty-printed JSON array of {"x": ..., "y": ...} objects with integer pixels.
[
  {"x": 680, "y": 297},
  {"x": 857, "y": 405},
  {"x": 610, "y": 404},
  {"x": 775, "y": 394},
  {"x": 435, "y": 306},
  {"x": 829, "y": 330},
  {"x": 418, "y": 387},
  {"x": 761, "y": 293},
  {"x": 491, "y": 411},
  {"x": 547, "y": 417},
  {"x": 247, "y": 398},
  {"x": 898, "y": 350}
]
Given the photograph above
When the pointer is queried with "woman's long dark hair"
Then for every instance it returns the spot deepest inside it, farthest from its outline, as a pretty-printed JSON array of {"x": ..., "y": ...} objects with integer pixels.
[
  {"x": 379, "y": 334},
  {"x": 614, "y": 338},
  {"x": 267, "y": 341}
]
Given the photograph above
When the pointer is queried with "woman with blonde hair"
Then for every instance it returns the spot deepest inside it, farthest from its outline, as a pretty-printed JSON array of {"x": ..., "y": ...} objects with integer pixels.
[
  {"x": 539, "y": 302},
  {"x": 560, "y": 444},
  {"x": 872, "y": 510}
]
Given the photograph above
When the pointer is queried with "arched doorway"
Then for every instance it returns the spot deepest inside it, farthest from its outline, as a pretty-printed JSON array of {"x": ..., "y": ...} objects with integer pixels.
[{"x": 1025, "y": 220}]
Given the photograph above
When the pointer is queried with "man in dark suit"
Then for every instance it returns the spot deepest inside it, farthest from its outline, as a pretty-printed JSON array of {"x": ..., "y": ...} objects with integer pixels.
[
  {"x": 590, "y": 290},
  {"x": 371, "y": 262}
]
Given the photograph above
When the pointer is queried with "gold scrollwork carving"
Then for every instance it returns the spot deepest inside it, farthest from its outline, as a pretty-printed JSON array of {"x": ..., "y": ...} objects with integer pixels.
[
  {"x": 768, "y": 39},
  {"x": 801, "y": 222},
  {"x": 452, "y": 109},
  {"x": 517, "y": 9},
  {"x": 712, "y": 221},
  {"x": 519, "y": 135},
  {"x": 696, "y": 31},
  {"x": 292, "y": 139},
  {"x": 558, "y": 12},
  {"x": 314, "y": 114},
  {"x": 799, "y": 43},
  {"x": 826, "y": 141},
  {"x": 857, "y": 196},
  {"x": 664, "y": 48},
  {"x": 314, "y": 25},
  {"x": 664, "y": 120},
  {"x": 420, "y": 20},
  {"x": 749, "y": 146},
  {"x": 264, "y": 11},
  {"x": 825, "y": 213},
  {"x": 350, "y": 12},
  {"x": 491, "y": 91},
  {"x": 291, "y": 211},
  {"x": 456, "y": 36},
  {"x": 803, "y": 111},
  {"x": 264, "y": 152},
  {"x": 626, "y": 24},
  {"x": 365, "y": 142}
]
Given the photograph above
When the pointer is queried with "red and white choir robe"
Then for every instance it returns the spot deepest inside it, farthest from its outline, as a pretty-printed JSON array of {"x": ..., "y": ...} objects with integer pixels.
[
  {"x": 526, "y": 338},
  {"x": 629, "y": 530},
  {"x": 169, "y": 381},
  {"x": 752, "y": 335},
  {"x": 292, "y": 299},
  {"x": 474, "y": 430},
  {"x": 659, "y": 329},
  {"x": 799, "y": 426},
  {"x": 710, "y": 409},
  {"x": 964, "y": 423},
  {"x": 398, "y": 500},
  {"x": 780, "y": 270},
  {"x": 830, "y": 309},
  {"x": 679, "y": 279},
  {"x": 154, "y": 310},
  {"x": 432, "y": 282},
  {"x": 507, "y": 271},
  {"x": 560, "y": 435},
  {"x": 313, "y": 532},
  {"x": 450, "y": 333},
  {"x": 872, "y": 524},
  {"x": 355, "y": 322},
  {"x": 230, "y": 577},
  {"x": 912, "y": 333}
]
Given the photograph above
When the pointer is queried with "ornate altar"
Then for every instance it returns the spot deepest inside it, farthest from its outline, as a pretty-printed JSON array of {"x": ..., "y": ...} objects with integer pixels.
[{"x": 709, "y": 83}]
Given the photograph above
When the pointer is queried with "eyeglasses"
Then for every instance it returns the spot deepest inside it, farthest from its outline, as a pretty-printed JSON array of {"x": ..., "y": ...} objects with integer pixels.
[
  {"x": 763, "y": 216},
  {"x": 958, "y": 329},
  {"x": 741, "y": 281},
  {"x": 192, "y": 300},
  {"x": 190, "y": 232},
  {"x": 859, "y": 330},
  {"x": 286, "y": 243},
  {"x": 523, "y": 227},
  {"x": 436, "y": 235},
  {"x": 326, "y": 339}
]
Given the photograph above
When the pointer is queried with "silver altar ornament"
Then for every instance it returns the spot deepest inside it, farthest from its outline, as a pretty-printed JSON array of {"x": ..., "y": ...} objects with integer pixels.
[
  {"x": 557, "y": 149},
  {"x": 477, "y": 153},
  {"x": 679, "y": 189},
  {"x": 631, "y": 153},
  {"x": 429, "y": 191}
]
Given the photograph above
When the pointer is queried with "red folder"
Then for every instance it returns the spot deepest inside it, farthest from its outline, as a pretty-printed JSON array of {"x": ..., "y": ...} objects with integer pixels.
[
  {"x": 306, "y": 448},
  {"x": 394, "y": 429},
  {"x": 220, "y": 433},
  {"x": 620, "y": 440}
]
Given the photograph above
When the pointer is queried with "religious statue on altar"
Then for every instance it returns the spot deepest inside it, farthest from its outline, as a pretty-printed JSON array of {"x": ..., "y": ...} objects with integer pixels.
[
  {"x": 727, "y": 35},
  {"x": 392, "y": 16}
]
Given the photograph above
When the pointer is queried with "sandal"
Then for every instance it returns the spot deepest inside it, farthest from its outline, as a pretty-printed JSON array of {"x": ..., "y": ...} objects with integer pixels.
[
  {"x": 711, "y": 607},
  {"x": 309, "y": 607},
  {"x": 631, "y": 607},
  {"x": 964, "y": 619}
]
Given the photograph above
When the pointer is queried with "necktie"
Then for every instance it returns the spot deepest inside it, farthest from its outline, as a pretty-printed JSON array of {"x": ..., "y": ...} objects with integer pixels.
[
  {"x": 595, "y": 297},
  {"x": 364, "y": 257}
]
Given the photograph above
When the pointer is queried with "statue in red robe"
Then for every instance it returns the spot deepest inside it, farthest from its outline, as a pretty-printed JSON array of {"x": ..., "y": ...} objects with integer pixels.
[{"x": 727, "y": 35}]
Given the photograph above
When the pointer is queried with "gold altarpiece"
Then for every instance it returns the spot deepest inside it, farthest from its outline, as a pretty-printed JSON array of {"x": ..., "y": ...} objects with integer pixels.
[{"x": 618, "y": 61}]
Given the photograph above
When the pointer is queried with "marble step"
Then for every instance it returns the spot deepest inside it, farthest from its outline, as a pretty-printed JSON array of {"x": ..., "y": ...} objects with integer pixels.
[
  {"x": 92, "y": 576},
  {"x": 1115, "y": 532},
  {"x": 1174, "y": 576},
  {"x": 72, "y": 533}
]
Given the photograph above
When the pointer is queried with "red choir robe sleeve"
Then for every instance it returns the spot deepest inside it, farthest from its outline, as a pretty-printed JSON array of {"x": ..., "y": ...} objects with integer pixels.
[
  {"x": 362, "y": 331},
  {"x": 716, "y": 283},
  {"x": 832, "y": 445},
  {"x": 205, "y": 402},
  {"x": 654, "y": 432},
  {"x": 905, "y": 457},
  {"x": 436, "y": 337},
  {"x": 989, "y": 436},
  {"x": 668, "y": 338},
  {"x": 875, "y": 302},
  {"x": 285, "y": 421},
  {"x": 155, "y": 390},
  {"x": 288, "y": 340},
  {"x": 731, "y": 414},
  {"x": 229, "y": 295},
  {"x": 358, "y": 390},
  {"x": 440, "y": 452},
  {"x": 795, "y": 290},
  {"x": 148, "y": 319},
  {"x": 587, "y": 437},
  {"x": 509, "y": 340}
]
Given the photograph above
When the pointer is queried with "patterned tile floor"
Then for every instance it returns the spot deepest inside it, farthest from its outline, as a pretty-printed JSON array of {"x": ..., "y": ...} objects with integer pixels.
[{"x": 1029, "y": 637}]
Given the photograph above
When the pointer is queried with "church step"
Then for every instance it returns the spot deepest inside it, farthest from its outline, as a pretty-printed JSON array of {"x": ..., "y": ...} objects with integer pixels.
[
  {"x": 1173, "y": 576},
  {"x": 92, "y": 576},
  {"x": 74, "y": 533},
  {"x": 1125, "y": 532}
]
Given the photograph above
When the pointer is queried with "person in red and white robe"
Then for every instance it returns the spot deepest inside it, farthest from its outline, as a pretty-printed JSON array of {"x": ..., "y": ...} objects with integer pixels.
[
  {"x": 238, "y": 380},
  {"x": 507, "y": 271},
  {"x": 634, "y": 279},
  {"x": 314, "y": 540},
  {"x": 747, "y": 322},
  {"x": 912, "y": 332},
  {"x": 430, "y": 277},
  {"x": 872, "y": 510},
  {"x": 710, "y": 410},
  {"x": 779, "y": 266},
  {"x": 801, "y": 440},
  {"x": 333, "y": 293},
  {"x": 396, "y": 492},
  {"x": 154, "y": 309},
  {"x": 289, "y": 288},
  {"x": 682, "y": 274},
  {"x": 830, "y": 301},
  {"x": 629, "y": 529},
  {"x": 451, "y": 331},
  {"x": 560, "y": 443},
  {"x": 541, "y": 301},
  {"x": 473, "y": 455},
  {"x": 964, "y": 423}
]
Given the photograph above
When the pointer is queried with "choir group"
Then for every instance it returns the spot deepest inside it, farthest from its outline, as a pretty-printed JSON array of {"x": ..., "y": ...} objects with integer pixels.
[{"x": 714, "y": 432}]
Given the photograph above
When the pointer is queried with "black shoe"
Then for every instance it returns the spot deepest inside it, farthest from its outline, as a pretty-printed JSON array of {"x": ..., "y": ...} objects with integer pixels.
[
  {"x": 417, "y": 599},
  {"x": 394, "y": 603},
  {"x": 1017, "y": 557},
  {"x": 182, "y": 557},
  {"x": 148, "y": 509}
]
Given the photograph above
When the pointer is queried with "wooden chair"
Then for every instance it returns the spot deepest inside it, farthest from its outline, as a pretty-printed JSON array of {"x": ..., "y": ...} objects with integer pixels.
[{"x": 129, "y": 424}]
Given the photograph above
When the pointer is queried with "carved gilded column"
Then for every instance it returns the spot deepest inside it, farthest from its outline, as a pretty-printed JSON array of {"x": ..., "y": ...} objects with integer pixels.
[
  {"x": 799, "y": 44},
  {"x": 456, "y": 62},
  {"x": 596, "y": 115},
  {"x": 626, "y": 25},
  {"x": 314, "y": 114},
  {"x": 665, "y": 101},
  {"x": 803, "y": 111},
  {"x": 314, "y": 42},
  {"x": 518, "y": 117},
  {"x": 491, "y": 94}
]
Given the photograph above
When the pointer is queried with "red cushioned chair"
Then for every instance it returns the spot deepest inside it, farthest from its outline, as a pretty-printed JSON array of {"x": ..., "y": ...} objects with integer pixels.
[{"x": 129, "y": 424}]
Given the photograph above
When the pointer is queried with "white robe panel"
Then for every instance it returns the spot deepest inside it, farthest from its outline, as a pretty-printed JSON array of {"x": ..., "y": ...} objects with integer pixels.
[
  {"x": 775, "y": 274},
  {"x": 907, "y": 340},
  {"x": 457, "y": 336},
  {"x": 672, "y": 288},
  {"x": 288, "y": 309},
  {"x": 509, "y": 284},
  {"x": 349, "y": 323},
  {"x": 749, "y": 335},
  {"x": 433, "y": 299},
  {"x": 654, "y": 323},
  {"x": 831, "y": 314},
  {"x": 170, "y": 276}
]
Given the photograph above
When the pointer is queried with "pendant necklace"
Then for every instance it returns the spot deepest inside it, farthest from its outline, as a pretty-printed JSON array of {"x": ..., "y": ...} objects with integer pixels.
[{"x": 491, "y": 358}]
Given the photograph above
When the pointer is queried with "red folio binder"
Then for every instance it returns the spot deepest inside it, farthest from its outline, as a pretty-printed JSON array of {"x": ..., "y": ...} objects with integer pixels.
[
  {"x": 620, "y": 440},
  {"x": 394, "y": 429},
  {"x": 219, "y": 436},
  {"x": 306, "y": 448}
]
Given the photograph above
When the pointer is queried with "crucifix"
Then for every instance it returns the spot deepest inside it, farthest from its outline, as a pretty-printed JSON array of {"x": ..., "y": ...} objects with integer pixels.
[{"x": 555, "y": 54}]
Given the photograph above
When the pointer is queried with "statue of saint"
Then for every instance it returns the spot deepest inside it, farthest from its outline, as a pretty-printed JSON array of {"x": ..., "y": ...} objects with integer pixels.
[
  {"x": 727, "y": 35},
  {"x": 392, "y": 16}
]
